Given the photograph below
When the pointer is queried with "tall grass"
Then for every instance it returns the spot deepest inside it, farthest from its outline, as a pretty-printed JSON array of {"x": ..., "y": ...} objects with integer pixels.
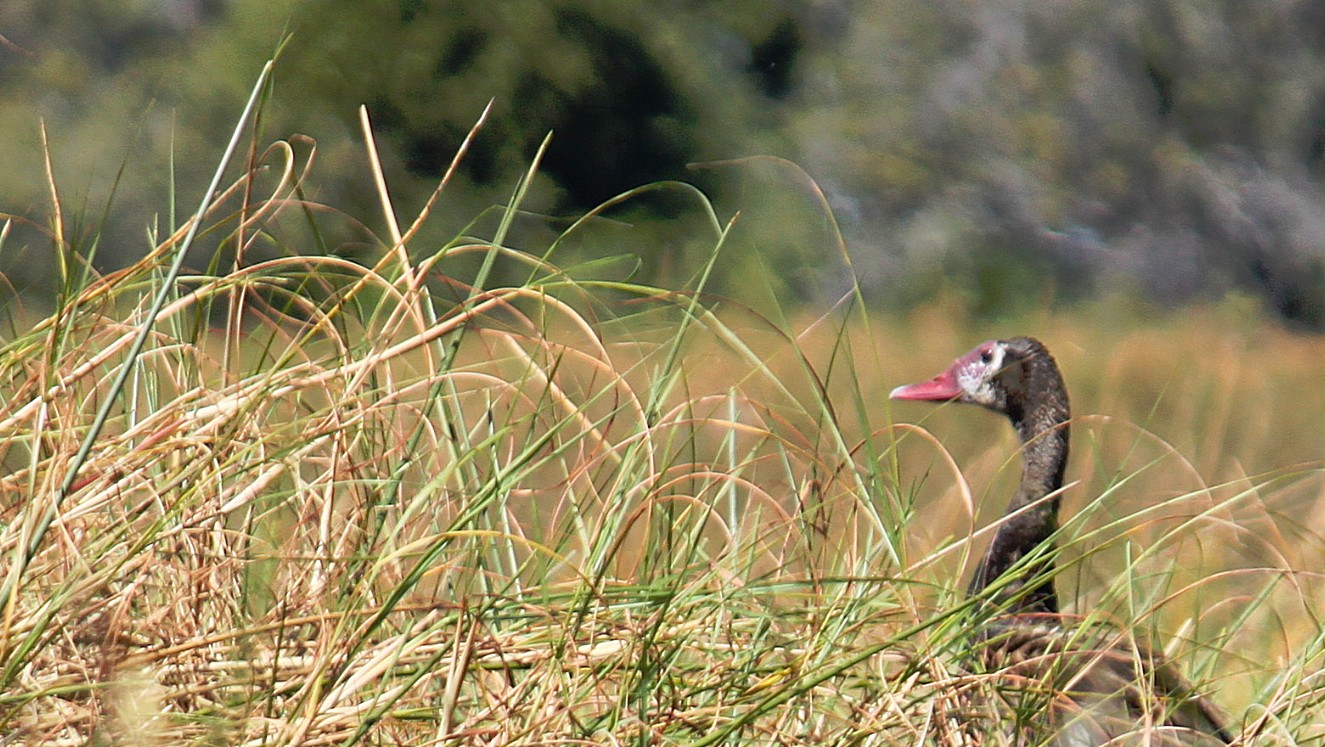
[{"x": 342, "y": 504}]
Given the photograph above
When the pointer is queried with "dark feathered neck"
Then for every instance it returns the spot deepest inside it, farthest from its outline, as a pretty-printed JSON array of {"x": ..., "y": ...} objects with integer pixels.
[{"x": 1038, "y": 407}]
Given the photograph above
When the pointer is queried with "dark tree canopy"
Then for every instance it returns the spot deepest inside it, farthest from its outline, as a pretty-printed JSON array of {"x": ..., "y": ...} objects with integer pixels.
[{"x": 1172, "y": 148}]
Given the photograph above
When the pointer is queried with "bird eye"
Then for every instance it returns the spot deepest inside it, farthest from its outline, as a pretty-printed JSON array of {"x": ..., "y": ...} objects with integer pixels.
[{"x": 986, "y": 356}]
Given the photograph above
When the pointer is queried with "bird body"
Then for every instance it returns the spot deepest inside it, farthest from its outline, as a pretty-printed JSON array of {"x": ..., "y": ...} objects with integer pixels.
[{"x": 1077, "y": 687}]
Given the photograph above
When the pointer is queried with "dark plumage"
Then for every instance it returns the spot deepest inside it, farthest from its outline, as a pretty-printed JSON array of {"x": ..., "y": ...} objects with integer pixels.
[{"x": 1093, "y": 688}]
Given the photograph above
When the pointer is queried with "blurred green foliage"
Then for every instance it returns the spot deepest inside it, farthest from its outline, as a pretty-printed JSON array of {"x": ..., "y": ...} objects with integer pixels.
[{"x": 1013, "y": 150}]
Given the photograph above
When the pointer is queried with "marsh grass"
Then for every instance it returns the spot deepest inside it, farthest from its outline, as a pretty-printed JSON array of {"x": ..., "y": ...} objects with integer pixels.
[{"x": 341, "y": 504}]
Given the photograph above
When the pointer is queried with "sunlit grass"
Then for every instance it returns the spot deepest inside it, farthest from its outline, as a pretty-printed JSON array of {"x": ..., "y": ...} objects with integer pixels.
[{"x": 394, "y": 505}]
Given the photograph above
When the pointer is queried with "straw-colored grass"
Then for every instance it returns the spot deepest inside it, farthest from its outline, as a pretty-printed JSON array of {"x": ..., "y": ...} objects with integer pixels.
[{"x": 337, "y": 504}]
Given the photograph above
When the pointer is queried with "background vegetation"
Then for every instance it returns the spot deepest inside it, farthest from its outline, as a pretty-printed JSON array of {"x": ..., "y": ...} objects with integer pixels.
[{"x": 1170, "y": 149}]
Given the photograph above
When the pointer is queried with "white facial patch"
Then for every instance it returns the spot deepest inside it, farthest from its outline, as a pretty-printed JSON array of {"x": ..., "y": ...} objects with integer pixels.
[{"x": 974, "y": 377}]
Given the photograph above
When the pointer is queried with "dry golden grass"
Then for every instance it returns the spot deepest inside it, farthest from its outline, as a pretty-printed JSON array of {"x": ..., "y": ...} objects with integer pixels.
[
  {"x": 392, "y": 506},
  {"x": 561, "y": 535}
]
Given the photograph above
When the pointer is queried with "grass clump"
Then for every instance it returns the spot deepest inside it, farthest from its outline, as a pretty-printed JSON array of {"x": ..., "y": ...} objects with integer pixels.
[{"x": 339, "y": 504}]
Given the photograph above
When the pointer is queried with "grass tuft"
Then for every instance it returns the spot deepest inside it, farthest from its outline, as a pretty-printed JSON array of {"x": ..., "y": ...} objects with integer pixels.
[{"x": 340, "y": 504}]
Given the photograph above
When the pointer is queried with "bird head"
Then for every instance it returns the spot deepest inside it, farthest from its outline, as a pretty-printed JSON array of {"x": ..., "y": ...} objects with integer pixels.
[{"x": 989, "y": 375}]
